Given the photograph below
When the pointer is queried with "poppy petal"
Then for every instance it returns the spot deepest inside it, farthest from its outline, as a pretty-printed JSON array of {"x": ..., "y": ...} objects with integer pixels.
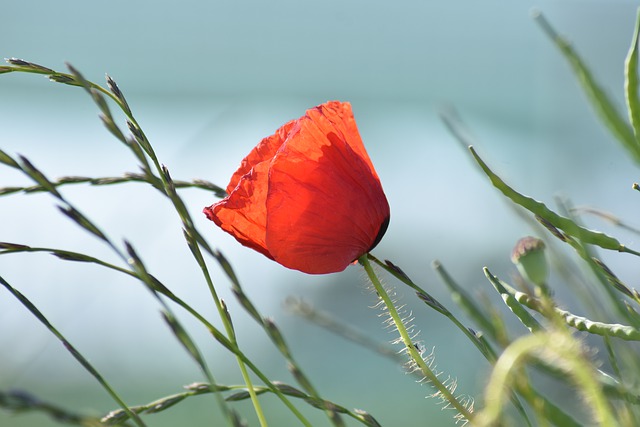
[
  {"x": 325, "y": 205},
  {"x": 308, "y": 196},
  {"x": 242, "y": 212},
  {"x": 262, "y": 152}
]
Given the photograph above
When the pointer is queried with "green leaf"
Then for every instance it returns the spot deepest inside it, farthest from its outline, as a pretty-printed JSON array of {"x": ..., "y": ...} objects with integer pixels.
[
  {"x": 514, "y": 305},
  {"x": 603, "y": 106},
  {"x": 466, "y": 302},
  {"x": 35, "y": 174},
  {"x": 541, "y": 210},
  {"x": 631, "y": 81},
  {"x": 8, "y": 160},
  {"x": 183, "y": 337}
]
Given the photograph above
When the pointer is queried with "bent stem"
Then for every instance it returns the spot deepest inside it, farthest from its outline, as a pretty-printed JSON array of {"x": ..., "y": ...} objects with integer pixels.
[{"x": 408, "y": 343}]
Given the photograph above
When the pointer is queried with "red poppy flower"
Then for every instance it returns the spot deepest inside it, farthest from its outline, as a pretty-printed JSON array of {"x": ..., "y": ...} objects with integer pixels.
[{"x": 307, "y": 196}]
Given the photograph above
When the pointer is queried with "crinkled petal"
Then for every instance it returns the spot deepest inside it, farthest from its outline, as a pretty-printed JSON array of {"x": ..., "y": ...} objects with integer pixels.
[
  {"x": 243, "y": 212},
  {"x": 264, "y": 151},
  {"x": 325, "y": 203}
]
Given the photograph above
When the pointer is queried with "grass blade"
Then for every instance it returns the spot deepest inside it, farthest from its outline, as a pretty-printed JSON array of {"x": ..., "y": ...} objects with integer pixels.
[
  {"x": 540, "y": 209},
  {"x": 631, "y": 80},
  {"x": 603, "y": 106},
  {"x": 74, "y": 352}
]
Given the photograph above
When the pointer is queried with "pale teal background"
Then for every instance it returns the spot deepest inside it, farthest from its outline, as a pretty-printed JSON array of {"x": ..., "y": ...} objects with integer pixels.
[{"x": 206, "y": 81}]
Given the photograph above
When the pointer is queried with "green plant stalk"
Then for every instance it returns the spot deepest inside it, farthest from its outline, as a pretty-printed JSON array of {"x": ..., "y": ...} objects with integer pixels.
[
  {"x": 74, "y": 352},
  {"x": 486, "y": 351},
  {"x": 278, "y": 340},
  {"x": 197, "y": 389},
  {"x": 231, "y": 343},
  {"x": 6, "y": 248},
  {"x": 481, "y": 344},
  {"x": 406, "y": 339},
  {"x": 21, "y": 401},
  {"x": 233, "y": 347},
  {"x": 468, "y": 303},
  {"x": 85, "y": 223},
  {"x": 169, "y": 191},
  {"x": 180, "y": 333},
  {"x": 110, "y": 180},
  {"x": 226, "y": 321},
  {"x": 74, "y": 214}
]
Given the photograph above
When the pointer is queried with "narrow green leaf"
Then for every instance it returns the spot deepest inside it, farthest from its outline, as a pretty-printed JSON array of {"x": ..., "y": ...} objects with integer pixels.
[
  {"x": 118, "y": 93},
  {"x": 13, "y": 247},
  {"x": 29, "y": 66},
  {"x": 82, "y": 221},
  {"x": 74, "y": 352},
  {"x": 9, "y": 190},
  {"x": 8, "y": 160},
  {"x": 603, "y": 106},
  {"x": 541, "y": 210},
  {"x": 527, "y": 320},
  {"x": 625, "y": 332},
  {"x": 35, "y": 174},
  {"x": 631, "y": 80},
  {"x": 246, "y": 303},
  {"x": 183, "y": 337},
  {"x": 107, "y": 121},
  {"x": 19, "y": 401},
  {"x": 80, "y": 79},
  {"x": 367, "y": 418},
  {"x": 64, "y": 79},
  {"x": 465, "y": 301}
]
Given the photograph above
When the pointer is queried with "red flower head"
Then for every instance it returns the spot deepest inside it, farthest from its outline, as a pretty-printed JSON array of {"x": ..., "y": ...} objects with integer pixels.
[{"x": 307, "y": 196}]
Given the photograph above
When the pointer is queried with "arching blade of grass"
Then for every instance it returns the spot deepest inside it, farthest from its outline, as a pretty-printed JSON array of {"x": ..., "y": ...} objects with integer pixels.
[
  {"x": 240, "y": 393},
  {"x": 604, "y": 107},
  {"x": 631, "y": 80},
  {"x": 74, "y": 352},
  {"x": 273, "y": 332},
  {"x": 111, "y": 180},
  {"x": 20, "y": 401},
  {"x": 540, "y": 209},
  {"x": 157, "y": 286}
]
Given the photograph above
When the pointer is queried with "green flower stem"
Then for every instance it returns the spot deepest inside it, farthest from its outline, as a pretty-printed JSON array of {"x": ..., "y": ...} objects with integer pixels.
[
  {"x": 408, "y": 343},
  {"x": 482, "y": 346}
]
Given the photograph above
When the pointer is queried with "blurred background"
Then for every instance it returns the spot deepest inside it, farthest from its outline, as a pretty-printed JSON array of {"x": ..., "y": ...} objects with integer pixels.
[{"x": 208, "y": 80}]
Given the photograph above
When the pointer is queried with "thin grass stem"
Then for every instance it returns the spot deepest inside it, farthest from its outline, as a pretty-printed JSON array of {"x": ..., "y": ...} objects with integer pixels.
[{"x": 74, "y": 352}]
